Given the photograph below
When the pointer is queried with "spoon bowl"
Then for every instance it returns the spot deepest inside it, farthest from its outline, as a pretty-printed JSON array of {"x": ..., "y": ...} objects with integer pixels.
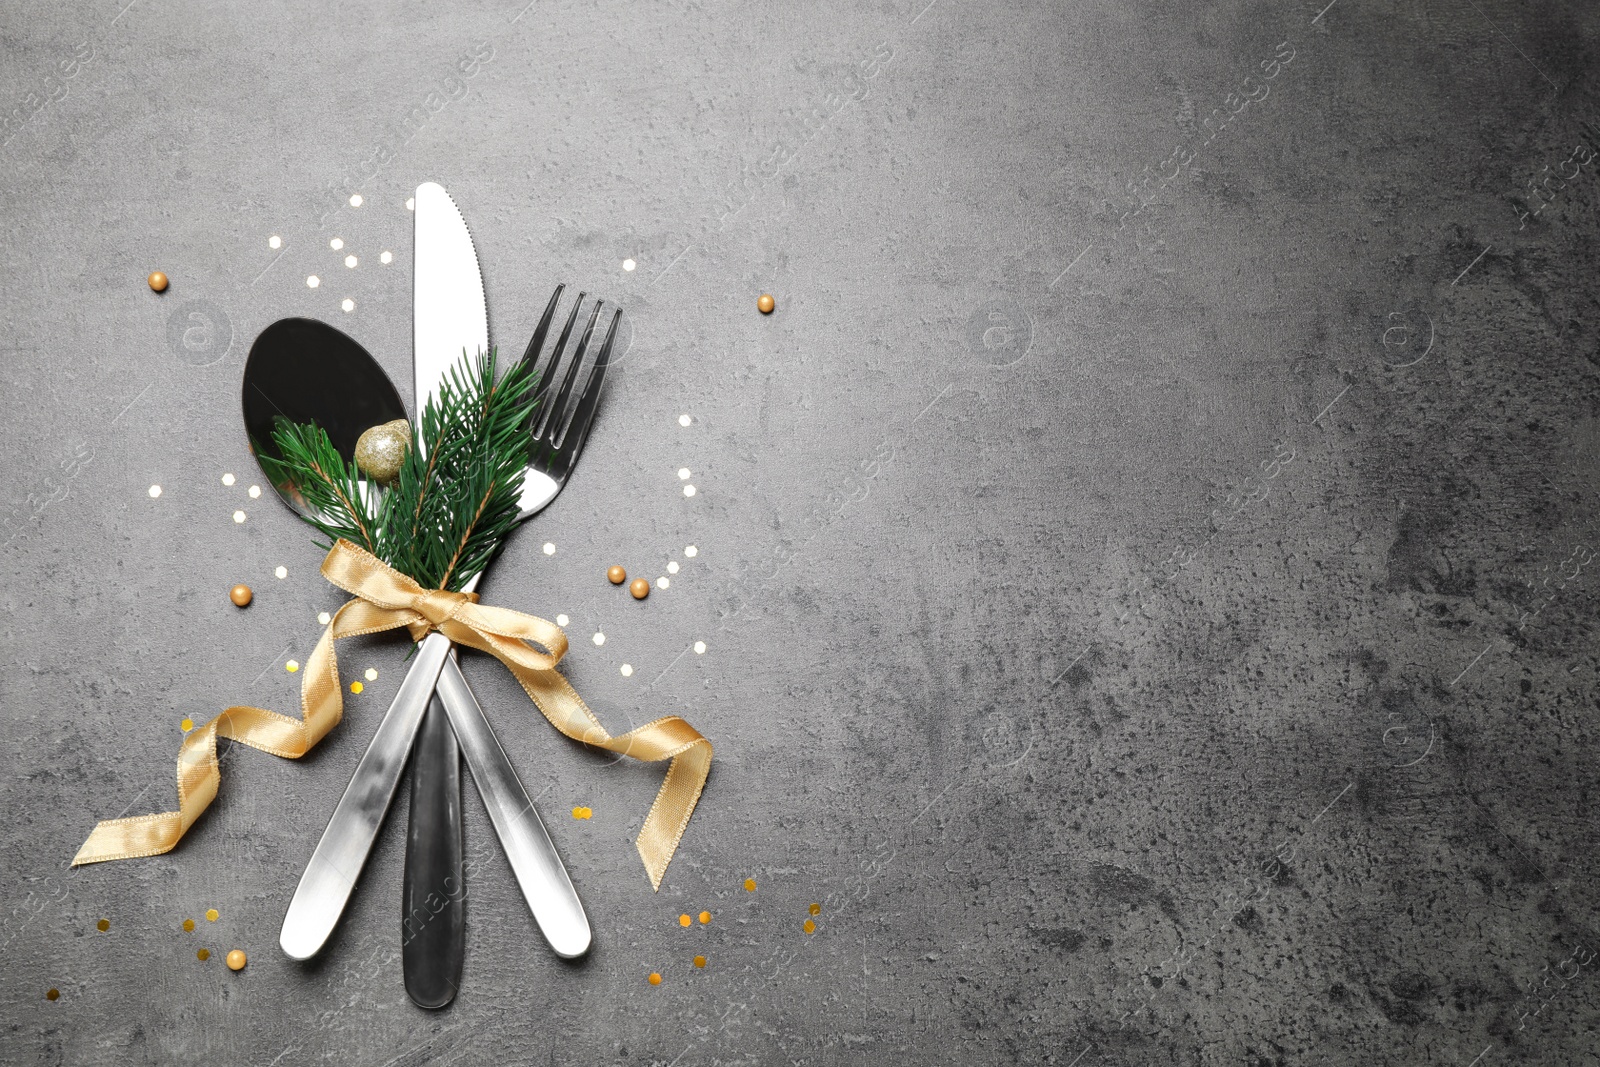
[{"x": 305, "y": 371}]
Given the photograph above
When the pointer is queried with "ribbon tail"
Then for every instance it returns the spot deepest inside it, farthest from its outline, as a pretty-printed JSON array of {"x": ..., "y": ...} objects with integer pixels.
[
  {"x": 675, "y": 802},
  {"x": 669, "y": 738},
  {"x": 151, "y": 835},
  {"x": 199, "y": 774}
]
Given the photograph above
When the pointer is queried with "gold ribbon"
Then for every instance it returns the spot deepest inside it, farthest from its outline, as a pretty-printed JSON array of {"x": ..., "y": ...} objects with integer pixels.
[{"x": 388, "y": 600}]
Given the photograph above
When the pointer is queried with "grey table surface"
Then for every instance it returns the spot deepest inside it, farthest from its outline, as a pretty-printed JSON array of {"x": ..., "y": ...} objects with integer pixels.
[{"x": 1141, "y": 563}]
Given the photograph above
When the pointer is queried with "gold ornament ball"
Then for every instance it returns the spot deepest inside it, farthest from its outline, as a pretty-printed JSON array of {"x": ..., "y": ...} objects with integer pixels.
[
  {"x": 241, "y": 595},
  {"x": 380, "y": 450},
  {"x": 766, "y": 304},
  {"x": 158, "y": 282},
  {"x": 237, "y": 960},
  {"x": 640, "y": 588},
  {"x": 616, "y": 575}
]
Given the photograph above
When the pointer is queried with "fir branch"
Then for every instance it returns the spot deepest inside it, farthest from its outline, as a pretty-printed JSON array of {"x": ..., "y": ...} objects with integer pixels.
[
  {"x": 331, "y": 490},
  {"x": 455, "y": 499}
]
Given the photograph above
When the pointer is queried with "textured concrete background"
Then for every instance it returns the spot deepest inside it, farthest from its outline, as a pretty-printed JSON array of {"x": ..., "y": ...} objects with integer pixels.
[{"x": 1142, "y": 562}]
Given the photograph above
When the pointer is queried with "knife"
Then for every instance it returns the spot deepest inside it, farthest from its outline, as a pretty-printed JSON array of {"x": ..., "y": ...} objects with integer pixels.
[{"x": 450, "y": 322}]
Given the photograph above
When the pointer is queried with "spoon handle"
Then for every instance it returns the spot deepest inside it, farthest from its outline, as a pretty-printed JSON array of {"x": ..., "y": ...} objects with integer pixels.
[
  {"x": 433, "y": 926},
  {"x": 329, "y": 878}
]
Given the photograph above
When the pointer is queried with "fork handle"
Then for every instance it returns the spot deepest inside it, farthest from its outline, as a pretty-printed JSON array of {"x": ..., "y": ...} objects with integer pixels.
[{"x": 534, "y": 860}]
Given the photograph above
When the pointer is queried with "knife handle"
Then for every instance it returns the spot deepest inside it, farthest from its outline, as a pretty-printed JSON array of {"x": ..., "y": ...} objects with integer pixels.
[
  {"x": 433, "y": 922},
  {"x": 331, "y": 875},
  {"x": 534, "y": 860}
]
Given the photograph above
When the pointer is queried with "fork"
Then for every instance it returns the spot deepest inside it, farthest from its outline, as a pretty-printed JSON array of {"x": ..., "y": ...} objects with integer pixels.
[{"x": 557, "y": 437}]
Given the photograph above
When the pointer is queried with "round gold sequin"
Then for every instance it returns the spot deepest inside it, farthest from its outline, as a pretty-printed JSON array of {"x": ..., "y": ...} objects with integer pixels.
[
  {"x": 655, "y": 979},
  {"x": 749, "y": 885},
  {"x": 685, "y": 921},
  {"x": 212, "y": 915},
  {"x": 699, "y": 961},
  {"x": 705, "y": 917},
  {"x": 103, "y": 925},
  {"x": 582, "y": 813},
  {"x": 52, "y": 994},
  {"x": 203, "y": 955},
  {"x": 188, "y": 924},
  {"x": 810, "y": 927},
  {"x": 237, "y": 960},
  {"x": 815, "y": 909}
]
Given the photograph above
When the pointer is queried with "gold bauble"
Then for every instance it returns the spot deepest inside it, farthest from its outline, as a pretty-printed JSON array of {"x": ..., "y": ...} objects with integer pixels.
[{"x": 381, "y": 450}]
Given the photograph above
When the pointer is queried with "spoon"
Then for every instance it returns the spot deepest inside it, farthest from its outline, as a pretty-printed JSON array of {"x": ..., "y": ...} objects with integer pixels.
[{"x": 308, "y": 372}]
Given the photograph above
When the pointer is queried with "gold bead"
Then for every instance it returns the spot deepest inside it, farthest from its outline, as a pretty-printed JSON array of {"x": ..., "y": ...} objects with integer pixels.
[
  {"x": 237, "y": 960},
  {"x": 766, "y": 304},
  {"x": 158, "y": 282},
  {"x": 616, "y": 575},
  {"x": 241, "y": 595},
  {"x": 381, "y": 450},
  {"x": 640, "y": 588}
]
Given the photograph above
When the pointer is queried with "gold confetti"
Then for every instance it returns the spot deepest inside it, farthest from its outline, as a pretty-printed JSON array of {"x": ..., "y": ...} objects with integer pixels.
[
  {"x": 186, "y": 725},
  {"x": 52, "y": 994},
  {"x": 582, "y": 813},
  {"x": 749, "y": 885},
  {"x": 699, "y": 961},
  {"x": 356, "y": 687},
  {"x": 292, "y": 666},
  {"x": 655, "y": 979},
  {"x": 372, "y": 674},
  {"x": 685, "y": 921},
  {"x": 213, "y": 915},
  {"x": 811, "y": 927},
  {"x": 188, "y": 924},
  {"x": 203, "y": 955},
  {"x": 103, "y": 925},
  {"x": 815, "y": 909},
  {"x": 705, "y": 917}
]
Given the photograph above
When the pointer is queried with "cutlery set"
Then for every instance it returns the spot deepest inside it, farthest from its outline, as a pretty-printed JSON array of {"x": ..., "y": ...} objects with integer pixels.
[{"x": 307, "y": 371}]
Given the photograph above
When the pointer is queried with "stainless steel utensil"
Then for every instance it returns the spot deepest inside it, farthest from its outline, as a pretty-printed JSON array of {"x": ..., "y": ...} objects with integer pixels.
[{"x": 449, "y": 321}]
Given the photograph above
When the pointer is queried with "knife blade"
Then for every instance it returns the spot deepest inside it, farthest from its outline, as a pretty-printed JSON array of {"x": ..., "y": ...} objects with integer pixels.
[{"x": 450, "y": 323}]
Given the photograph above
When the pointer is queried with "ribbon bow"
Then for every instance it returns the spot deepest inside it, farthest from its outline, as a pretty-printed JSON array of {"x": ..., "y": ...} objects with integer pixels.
[{"x": 385, "y": 599}]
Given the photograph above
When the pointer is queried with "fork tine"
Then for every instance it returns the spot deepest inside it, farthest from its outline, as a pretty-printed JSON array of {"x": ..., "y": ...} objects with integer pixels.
[
  {"x": 558, "y": 406},
  {"x": 583, "y": 416},
  {"x": 531, "y": 357},
  {"x": 547, "y": 380}
]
